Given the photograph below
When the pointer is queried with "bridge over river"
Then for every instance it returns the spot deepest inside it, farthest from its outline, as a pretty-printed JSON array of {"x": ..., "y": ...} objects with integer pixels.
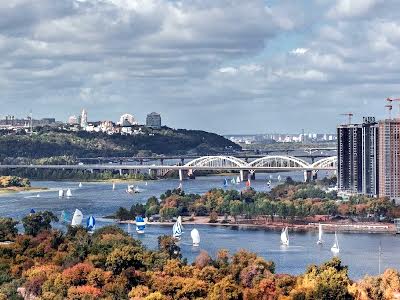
[{"x": 271, "y": 163}]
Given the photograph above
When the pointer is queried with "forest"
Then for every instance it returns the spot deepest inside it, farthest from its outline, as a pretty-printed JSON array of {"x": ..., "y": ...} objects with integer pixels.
[
  {"x": 46, "y": 143},
  {"x": 48, "y": 264}
]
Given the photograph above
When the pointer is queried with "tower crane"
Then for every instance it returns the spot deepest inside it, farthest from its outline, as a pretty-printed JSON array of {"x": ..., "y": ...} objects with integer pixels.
[
  {"x": 349, "y": 115},
  {"x": 390, "y": 100},
  {"x": 389, "y": 107}
]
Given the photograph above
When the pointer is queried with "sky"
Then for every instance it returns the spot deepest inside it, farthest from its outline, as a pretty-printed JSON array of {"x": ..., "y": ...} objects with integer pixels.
[{"x": 227, "y": 66}]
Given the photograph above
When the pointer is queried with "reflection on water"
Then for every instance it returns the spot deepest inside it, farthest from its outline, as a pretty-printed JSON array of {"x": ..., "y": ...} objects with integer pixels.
[{"x": 359, "y": 251}]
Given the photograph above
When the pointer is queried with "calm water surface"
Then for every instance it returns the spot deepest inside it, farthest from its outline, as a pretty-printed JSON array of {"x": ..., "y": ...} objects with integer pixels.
[{"x": 359, "y": 251}]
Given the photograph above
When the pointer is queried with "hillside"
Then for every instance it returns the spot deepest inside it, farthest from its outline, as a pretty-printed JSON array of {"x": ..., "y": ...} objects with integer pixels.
[{"x": 50, "y": 143}]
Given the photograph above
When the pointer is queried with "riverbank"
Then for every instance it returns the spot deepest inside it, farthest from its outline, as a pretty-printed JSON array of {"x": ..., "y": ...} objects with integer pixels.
[
  {"x": 362, "y": 227},
  {"x": 15, "y": 189}
]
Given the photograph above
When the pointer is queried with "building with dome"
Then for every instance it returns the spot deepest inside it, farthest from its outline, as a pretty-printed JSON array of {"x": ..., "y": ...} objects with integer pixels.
[{"x": 127, "y": 120}]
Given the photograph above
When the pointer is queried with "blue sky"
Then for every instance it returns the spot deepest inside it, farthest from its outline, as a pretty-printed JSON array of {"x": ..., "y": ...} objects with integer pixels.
[{"x": 226, "y": 66}]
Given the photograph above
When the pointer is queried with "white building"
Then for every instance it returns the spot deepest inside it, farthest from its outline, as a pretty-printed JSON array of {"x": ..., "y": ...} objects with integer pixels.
[
  {"x": 84, "y": 119},
  {"x": 127, "y": 119},
  {"x": 73, "y": 120}
]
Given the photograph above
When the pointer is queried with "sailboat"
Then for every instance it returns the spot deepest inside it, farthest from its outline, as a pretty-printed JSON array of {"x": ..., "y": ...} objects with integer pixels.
[
  {"x": 77, "y": 218},
  {"x": 64, "y": 217},
  {"x": 91, "y": 224},
  {"x": 60, "y": 193},
  {"x": 32, "y": 211},
  {"x": 145, "y": 183},
  {"x": 270, "y": 176},
  {"x": 233, "y": 181},
  {"x": 269, "y": 183},
  {"x": 225, "y": 182},
  {"x": 279, "y": 177},
  {"x": 180, "y": 187},
  {"x": 335, "y": 248},
  {"x": 177, "y": 229},
  {"x": 136, "y": 190},
  {"x": 140, "y": 225},
  {"x": 195, "y": 237},
  {"x": 129, "y": 190},
  {"x": 80, "y": 184},
  {"x": 69, "y": 193},
  {"x": 248, "y": 183},
  {"x": 237, "y": 180},
  {"x": 319, "y": 242},
  {"x": 285, "y": 237}
]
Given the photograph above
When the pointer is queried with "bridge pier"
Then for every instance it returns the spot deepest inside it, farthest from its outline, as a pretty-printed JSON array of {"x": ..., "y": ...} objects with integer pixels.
[
  {"x": 120, "y": 172},
  {"x": 308, "y": 175},
  {"x": 244, "y": 175},
  {"x": 184, "y": 174},
  {"x": 153, "y": 173}
]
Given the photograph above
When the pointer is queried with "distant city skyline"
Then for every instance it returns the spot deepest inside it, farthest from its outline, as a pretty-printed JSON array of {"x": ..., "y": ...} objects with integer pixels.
[{"x": 217, "y": 65}]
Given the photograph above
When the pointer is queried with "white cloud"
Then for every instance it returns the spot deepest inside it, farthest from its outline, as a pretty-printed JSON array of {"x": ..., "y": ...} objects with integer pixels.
[
  {"x": 299, "y": 51},
  {"x": 351, "y": 8}
]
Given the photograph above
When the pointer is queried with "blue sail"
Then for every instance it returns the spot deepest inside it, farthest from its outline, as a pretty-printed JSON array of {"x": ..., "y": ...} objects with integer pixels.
[
  {"x": 140, "y": 224},
  {"x": 32, "y": 211},
  {"x": 177, "y": 229},
  {"x": 65, "y": 217},
  {"x": 225, "y": 182},
  {"x": 90, "y": 223}
]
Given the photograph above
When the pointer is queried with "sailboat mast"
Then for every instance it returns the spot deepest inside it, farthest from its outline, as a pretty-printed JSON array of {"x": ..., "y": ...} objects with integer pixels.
[{"x": 379, "y": 257}]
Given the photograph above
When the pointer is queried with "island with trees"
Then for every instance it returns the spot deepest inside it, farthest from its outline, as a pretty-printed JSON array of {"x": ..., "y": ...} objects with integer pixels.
[
  {"x": 295, "y": 204},
  {"x": 10, "y": 184},
  {"x": 48, "y": 264}
]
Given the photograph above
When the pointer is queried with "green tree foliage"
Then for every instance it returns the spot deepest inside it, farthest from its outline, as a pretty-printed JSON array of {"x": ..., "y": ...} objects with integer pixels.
[
  {"x": 8, "y": 229},
  {"x": 37, "y": 222}
]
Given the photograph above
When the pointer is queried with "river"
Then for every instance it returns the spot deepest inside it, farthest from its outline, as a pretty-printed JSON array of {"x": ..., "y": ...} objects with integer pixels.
[{"x": 358, "y": 250}]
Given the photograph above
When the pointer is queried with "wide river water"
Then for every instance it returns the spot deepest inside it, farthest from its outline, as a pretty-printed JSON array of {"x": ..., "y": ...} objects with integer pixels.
[{"x": 358, "y": 251}]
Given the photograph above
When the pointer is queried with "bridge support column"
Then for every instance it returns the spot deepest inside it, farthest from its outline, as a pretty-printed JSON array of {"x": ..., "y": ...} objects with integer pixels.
[
  {"x": 244, "y": 175},
  {"x": 183, "y": 174},
  {"x": 307, "y": 176},
  {"x": 153, "y": 173},
  {"x": 182, "y": 161},
  {"x": 120, "y": 172},
  {"x": 253, "y": 175}
]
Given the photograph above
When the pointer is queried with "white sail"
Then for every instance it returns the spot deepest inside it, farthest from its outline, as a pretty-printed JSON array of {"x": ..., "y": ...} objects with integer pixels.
[
  {"x": 195, "y": 237},
  {"x": 77, "y": 218},
  {"x": 237, "y": 180},
  {"x": 145, "y": 183},
  {"x": 69, "y": 193},
  {"x": 80, "y": 184},
  {"x": 60, "y": 193},
  {"x": 177, "y": 229},
  {"x": 335, "y": 248},
  {"x": 319, "y": 234},
  {"x": 279, "y": 177},
  {"x": 113, "y": 186},
  {"x": 285, "y": 237}
]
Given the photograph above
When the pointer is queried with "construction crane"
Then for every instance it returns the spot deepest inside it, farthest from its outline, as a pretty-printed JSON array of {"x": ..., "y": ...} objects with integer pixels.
[
  {"x": 389, "y": 107},
  {"x": 349, "y": 115},
  {"x": 390, "y": 100}
]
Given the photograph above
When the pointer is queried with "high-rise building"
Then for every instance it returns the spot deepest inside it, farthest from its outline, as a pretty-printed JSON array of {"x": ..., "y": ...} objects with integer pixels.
[
  {"x": 84, "y": 119},
  {"x": 370, "y": 182},
  {"x": 389, "y": 158},
  {"x": 358, "y": 157},
  {"x": 349, "y": 168},
  {"x": 153, "y": 120}
]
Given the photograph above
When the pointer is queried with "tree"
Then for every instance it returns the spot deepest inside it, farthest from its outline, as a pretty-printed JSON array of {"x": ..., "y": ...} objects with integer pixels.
[
  {"x": 167, "y": 245},
  {"x": 123, "y": 258},
  {"x": 123, "y": 214},
  {"x": 8, "y": 231},
  {"x": 37, "y": 222},
  {"x": 235, "y": 208}
]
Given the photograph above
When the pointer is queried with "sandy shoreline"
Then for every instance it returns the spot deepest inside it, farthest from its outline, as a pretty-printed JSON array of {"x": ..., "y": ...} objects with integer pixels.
[
  {"x": 5, "y": 191},
  {"x": 327, "y": 227}
]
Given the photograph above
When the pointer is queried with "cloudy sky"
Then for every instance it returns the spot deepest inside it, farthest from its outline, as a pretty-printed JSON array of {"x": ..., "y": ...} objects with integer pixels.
[{"x": 228, "y": 66}]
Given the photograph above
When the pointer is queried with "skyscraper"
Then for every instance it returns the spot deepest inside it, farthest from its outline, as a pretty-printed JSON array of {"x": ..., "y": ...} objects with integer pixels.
[
  {"x": 84, "y": 119},
  {"x": 389, "y": 158},
  {"x": 370, "y": 182},
  {"x": 350, "y": 158}
]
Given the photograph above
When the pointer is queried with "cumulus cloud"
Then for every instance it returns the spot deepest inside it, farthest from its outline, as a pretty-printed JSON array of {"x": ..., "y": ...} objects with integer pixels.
[{"x": 201, "y": 63}]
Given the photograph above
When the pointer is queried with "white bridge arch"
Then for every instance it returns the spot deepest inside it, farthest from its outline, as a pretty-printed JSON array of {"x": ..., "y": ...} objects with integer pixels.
[
  {"x": 326, "y": 162},
  {"x": 279, "y": 161},
  {"x": 217, "y": 161}
]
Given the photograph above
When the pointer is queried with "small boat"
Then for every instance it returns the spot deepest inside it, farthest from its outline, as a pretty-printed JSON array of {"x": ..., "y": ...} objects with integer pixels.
[
  {"x": 248, "y": 183},
  {"x": 145, "y": 183},
  {"x": 140, "y": 225},
  {"x": 136, "y": 190},
  {"x": 319, "y": 242},
  {"x": 77, "y": 218},
  {"x": 32, "y": 211},
  {"x": 69, "y": 193},
  {"x": 177, "y": 229},
  {"x": 269, "y": 183},
  {"x": 225, "y": 182},
  {"x": 279, "y": 177},
  {"x": 129, "y": 190},
  {"x": 91, "y": 224},
  {"x": 180, "y": 187},
  {"x": 64, "y": 218},
  {"x": 113, "y": 186},
  {"x": 285, "y": 237},
  {"x": 237, "y": 180},
  {"x": 195, "y": 237},
  {"x": 335, "y": 248},
  {"x": 80, "y": 184},
  {"x": 233, "y": 181},
  {"x": 60, "y": 193}
]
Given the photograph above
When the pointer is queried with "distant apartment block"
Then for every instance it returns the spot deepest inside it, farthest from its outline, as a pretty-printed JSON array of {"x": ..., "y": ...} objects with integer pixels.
[{"x": 153, "y": 120}]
